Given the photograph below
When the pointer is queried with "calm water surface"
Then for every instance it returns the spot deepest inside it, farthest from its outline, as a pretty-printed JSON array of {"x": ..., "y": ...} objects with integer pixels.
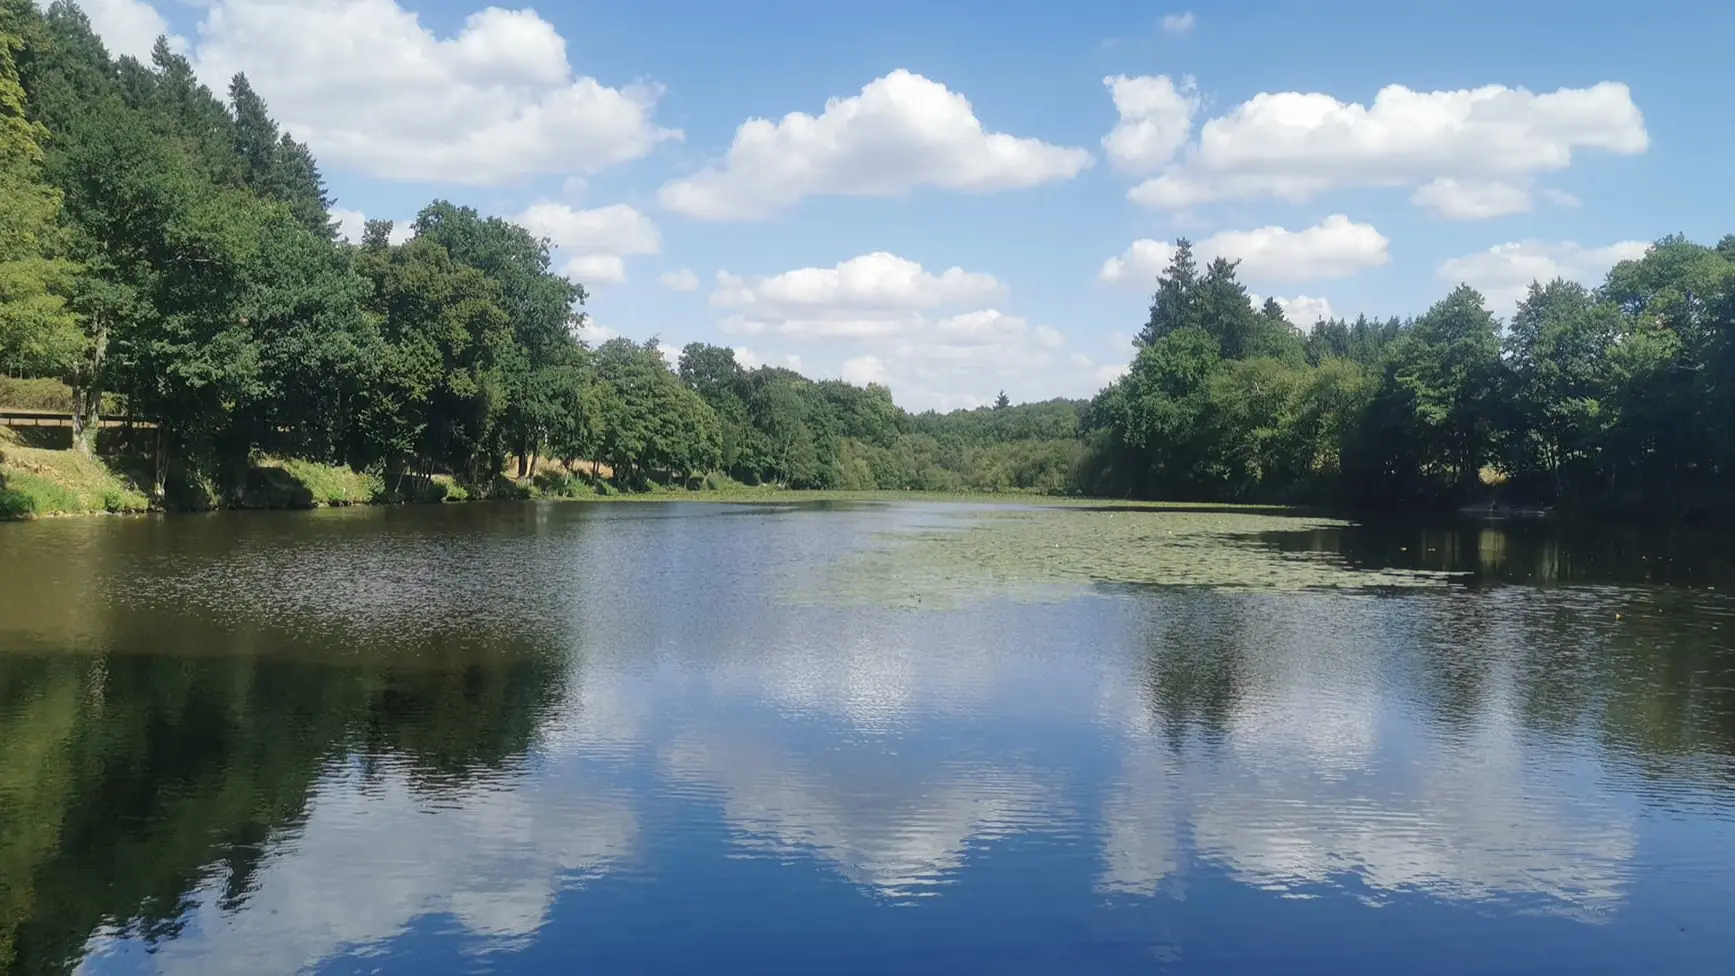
[{"x": 871, "y": 738}]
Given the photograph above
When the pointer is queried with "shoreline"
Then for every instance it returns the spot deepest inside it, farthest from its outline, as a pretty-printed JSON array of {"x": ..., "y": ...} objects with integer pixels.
[
  {"x": 767, "y": 496},
  {"x": 38, "y": 482},
  {"x": 55, "y": 483}
]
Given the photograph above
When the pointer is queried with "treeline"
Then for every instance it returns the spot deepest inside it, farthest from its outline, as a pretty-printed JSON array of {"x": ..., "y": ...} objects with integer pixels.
[
  {"x": 781, "y": 427},
  {"x": 1617, "y": 398}
]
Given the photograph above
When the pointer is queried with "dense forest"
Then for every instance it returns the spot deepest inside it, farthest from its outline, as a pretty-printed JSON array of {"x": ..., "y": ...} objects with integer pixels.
[
  {"x": 1613, "y": 399},
  {"x": 171, "y": 251}
]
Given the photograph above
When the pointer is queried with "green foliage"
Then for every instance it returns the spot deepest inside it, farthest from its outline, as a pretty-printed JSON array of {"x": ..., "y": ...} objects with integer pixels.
[
  {"x": 1048, "y": 420},
  {"x": 555, "y": 483},
  {"x": 781, "y": 428},
  {"x": 41, "y": 393},
  {"x": 1155, "y": 419},
  {"x": 199, "y": 757},
  {"x": 435, "y": 392},
  {"x": 1613, "y": 399},
  {"x": 1559, "y": 351},
  {"x": 274, "y": 165},
  {"x": 1363, "y": 341},
  {"x": 654, "y": 429},
  {"x": 37, "y": 331},
  {"x": 718, "y": 481},
  {"x": 535, "y": 366},
  {"x": 1175, "y": 306},
  {"x": 24, "y": 496},
  {"x": 1449, "y": 372}
]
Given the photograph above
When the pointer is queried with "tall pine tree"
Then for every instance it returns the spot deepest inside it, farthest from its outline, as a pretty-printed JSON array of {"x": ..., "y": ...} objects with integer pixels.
[
  {"x": 274, "y": 165},
  {"x": 1175, "y": 306}
]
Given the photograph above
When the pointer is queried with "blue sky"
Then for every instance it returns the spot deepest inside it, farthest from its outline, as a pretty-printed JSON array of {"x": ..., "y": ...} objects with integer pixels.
[{"x": 576, "y": 107}]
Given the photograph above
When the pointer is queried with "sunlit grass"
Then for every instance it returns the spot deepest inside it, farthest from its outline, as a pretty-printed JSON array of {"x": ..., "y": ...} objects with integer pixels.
[
  {"x": 36, "y": 482},
  {"x": 296, "y": 483}
]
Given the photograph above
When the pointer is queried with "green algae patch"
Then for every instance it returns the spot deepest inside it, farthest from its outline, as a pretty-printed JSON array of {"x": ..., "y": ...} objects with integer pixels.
[{"x": 1057, "y": 552}]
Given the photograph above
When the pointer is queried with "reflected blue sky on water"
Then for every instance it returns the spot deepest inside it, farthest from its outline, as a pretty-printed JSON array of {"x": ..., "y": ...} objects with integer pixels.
[{"x": 1491, "y": 778}]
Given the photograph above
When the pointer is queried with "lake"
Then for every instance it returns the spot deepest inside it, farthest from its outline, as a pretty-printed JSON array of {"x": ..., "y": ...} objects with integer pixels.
[{"x": 862, "y": 738}]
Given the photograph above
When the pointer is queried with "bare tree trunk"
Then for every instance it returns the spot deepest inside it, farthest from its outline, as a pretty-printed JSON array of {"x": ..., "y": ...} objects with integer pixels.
[
  {"x": 158, "y": 489},
  {"x": 87, "y": 391},
  {"x": 81, "y": 423},
  {"x": 238, "y": 465}
]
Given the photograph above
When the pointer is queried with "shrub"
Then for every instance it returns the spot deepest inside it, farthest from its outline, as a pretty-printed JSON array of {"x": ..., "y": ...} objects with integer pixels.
[
  {"x": 720, "y": 481},
  {"x": 48, "y": 395}
]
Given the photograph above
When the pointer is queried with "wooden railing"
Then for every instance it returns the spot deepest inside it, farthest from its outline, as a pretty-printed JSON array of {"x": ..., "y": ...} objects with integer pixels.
[{"x": 10, "y": 417}]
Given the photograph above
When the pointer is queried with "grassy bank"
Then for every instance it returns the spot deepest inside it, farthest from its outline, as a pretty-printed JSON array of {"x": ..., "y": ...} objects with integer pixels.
[
  {"x": 36, "y": 482},
  {"x": 40, "y": 483},
  {"x": 291, "y": 483},
  {"x": 40, "y": 477}
]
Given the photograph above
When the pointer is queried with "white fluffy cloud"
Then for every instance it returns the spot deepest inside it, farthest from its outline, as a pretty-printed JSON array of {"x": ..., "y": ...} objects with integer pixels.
[
  {"x": 1156, "y": 116},
  {"x": 595, "y": 333},
  {"x": 933, "y": 337},
  {"x": 617, "y": 229},
  {"x": 863, "y": 370},
  {"x": 1336, "y": 247},
  {"x": 352, "y": 223},
  {"x": 1472, "y": 817},
  {"x": 874, "y": 294},
  {"x": 901, "y": 132},
  {"x": 505, "y": 856},
  {"x": 681, "y": 279},
  {"x": 751, "y": 359},
  {"x": 1179, "y": 25},
  {"x": 1560, "y": 198},
  {"x": 863, "y": 826},
  {"x": 593, "y": 269},
  {"x": 1295, "y": 145},
  {"x": 1302, "y": 311},
  {"x": 1471, "y": 200},
  {"x": 368, "y": 86},
  {"x": 963, "y": 360},
  {"x": 595, "y": 242},
  {"x": 1503, "y": 273},
  {"x": 1142, "y": 261},
  {"x": 129, "y": 27}
]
